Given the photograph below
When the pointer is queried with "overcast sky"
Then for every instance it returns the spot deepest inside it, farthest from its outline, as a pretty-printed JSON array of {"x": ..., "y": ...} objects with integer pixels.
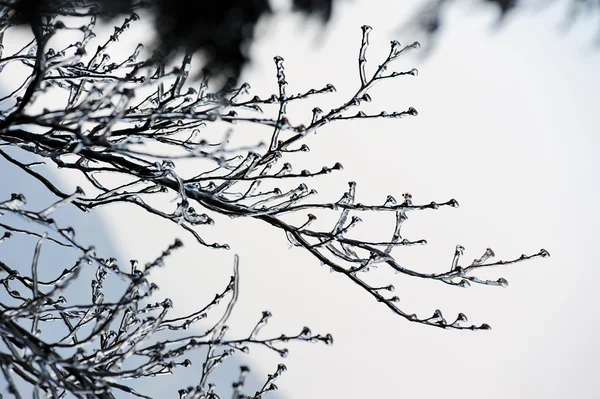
[{"x": 508, "y": 125}]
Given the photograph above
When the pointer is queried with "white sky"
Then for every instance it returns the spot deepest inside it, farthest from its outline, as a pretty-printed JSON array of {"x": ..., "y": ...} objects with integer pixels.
[{"x": 507, "y": 125}]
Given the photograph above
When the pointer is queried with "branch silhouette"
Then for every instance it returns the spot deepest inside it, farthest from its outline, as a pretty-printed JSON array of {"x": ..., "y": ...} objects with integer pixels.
[{"x": 125, "y": 126}]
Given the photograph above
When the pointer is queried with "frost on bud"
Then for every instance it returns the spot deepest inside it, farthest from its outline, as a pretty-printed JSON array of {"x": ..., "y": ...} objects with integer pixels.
[
  {"x": 412, "y": 111},
  {"x": 544, "y": 254},
  {"x": 329, "y": 339},
  {"x": 306, "y": 332},
  {"x": 437, "y": 318},
  {"x": 461, "y": 317},
  {"x": 464, "y": 283}
]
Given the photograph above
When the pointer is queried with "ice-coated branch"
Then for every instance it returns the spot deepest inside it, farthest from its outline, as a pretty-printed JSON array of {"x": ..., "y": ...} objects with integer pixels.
[
  {"x": 105, "y": 342},
  {"x": 126, "y": 127}
]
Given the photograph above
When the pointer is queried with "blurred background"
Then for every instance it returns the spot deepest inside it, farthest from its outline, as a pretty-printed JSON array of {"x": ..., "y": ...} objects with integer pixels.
[{"x": 507, "y": 125}]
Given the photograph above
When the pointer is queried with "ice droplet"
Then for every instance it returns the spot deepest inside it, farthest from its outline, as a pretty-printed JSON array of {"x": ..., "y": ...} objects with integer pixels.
[{"x": 306, "y": 332}]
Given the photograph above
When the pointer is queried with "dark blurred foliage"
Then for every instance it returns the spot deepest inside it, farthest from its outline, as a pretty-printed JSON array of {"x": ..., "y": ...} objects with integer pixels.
[
  {"x": 430, "y": 17},
  {"x": 224, "y": 29}
]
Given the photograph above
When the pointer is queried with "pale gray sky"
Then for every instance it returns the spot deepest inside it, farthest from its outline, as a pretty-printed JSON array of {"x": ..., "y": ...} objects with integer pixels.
[{"x": 507, "y": 125}]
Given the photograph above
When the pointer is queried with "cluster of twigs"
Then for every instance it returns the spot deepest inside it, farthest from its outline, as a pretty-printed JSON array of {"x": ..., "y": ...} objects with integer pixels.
[
  {"x": 136, "y": 119},
  {"x": 106, "y": 342}
]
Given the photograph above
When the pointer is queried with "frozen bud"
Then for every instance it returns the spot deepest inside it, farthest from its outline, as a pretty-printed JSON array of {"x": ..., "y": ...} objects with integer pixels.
[
  {"x": 464, "y": 283},
  {"x": 461, "y": 317},
  {"x": 329, "y": 339}
]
